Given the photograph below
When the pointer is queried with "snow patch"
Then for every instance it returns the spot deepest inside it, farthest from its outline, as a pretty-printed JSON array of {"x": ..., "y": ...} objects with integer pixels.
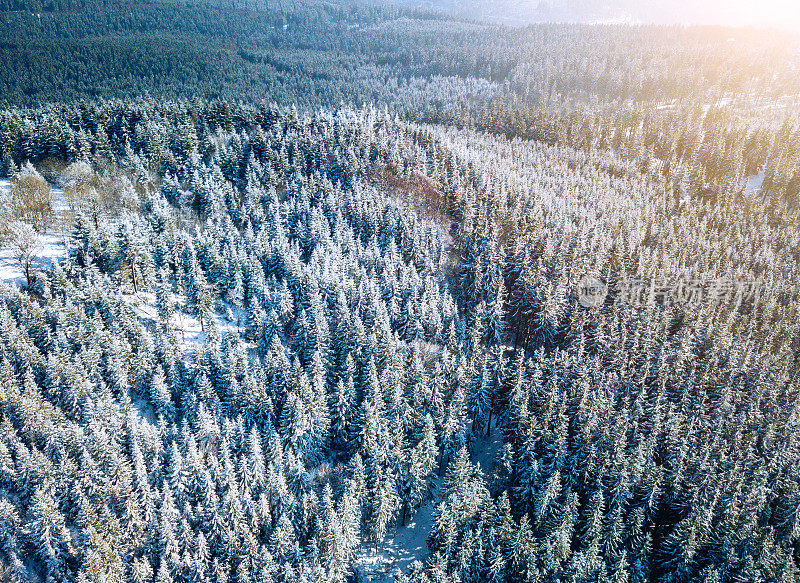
[
  {"x": 753, "y": 183},
  {"x": 53, "y": 249},
  {"x": 485, "y": 451},
  {"x": 667, "y": 105},
  {"x": 721, "y": 102},
  {"x": 60, "y": 203},
  {"x": 186, "y": 328},
  {"x": 143, "y": 416},
  {"x": 409, "y": 544}
]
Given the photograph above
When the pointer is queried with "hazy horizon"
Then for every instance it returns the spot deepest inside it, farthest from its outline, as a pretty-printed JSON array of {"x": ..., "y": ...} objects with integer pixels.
[{"x": 772, "y": 13}]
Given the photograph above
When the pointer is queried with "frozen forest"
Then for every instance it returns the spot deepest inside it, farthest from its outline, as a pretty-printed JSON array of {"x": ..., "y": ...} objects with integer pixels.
[{"x": 345, "y": 292}]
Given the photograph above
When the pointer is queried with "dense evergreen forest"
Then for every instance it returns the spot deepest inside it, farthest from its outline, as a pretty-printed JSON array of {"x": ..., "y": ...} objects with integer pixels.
[{"x": 291, "y": 288}]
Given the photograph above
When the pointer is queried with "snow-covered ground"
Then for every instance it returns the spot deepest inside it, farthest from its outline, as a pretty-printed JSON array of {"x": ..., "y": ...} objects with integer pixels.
[
  {"x": 409, "y": 544},
  {"x": 143, "y": 417},
  {"x": 53, "y": 248},
  {"x": 752, "y": 184},
  {"x": 721, "y": 102},
  {"x": 186, "y": 328},
  {"x": 667, "y": 105},
  {"x": 53, "y": 245},
  {"x": 486, "y": 451}
]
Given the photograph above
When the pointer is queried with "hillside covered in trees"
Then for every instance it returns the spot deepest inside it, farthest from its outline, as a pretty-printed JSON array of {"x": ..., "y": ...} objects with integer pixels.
[{"x": 287, "y": 288}]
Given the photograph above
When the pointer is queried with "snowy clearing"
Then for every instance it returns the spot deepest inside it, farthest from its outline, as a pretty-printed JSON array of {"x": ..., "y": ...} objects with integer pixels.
[
  {"x": 186, "y": 328},
  {"x": 409, "y": 544},
  {"x": 53, "y": 248},
  {"x": 752, "y": 184},
  {"x": 485, "y": 451},
  {"x": 143, "y": 417}
]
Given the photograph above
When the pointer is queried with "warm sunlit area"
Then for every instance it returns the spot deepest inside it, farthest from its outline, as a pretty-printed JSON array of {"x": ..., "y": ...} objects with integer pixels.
[
  {"x": 780, "y": 13},
  {"x": 399, "y": 291}
]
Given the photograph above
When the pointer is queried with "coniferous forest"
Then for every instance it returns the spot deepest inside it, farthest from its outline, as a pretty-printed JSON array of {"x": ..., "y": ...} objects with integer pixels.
[{"x": 345, "y": 292}]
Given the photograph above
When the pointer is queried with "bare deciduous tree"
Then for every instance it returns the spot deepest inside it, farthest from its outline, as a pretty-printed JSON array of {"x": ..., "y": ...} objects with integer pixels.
[
  {"x": 117, "y": 192},
  {"x": 31, "y": 199},
  {"x": 101, "y": 194},
  {"x": 81, "y": 188},
  {"x": 25, "y": 246},
  {"x": 4, "y": 234}
]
